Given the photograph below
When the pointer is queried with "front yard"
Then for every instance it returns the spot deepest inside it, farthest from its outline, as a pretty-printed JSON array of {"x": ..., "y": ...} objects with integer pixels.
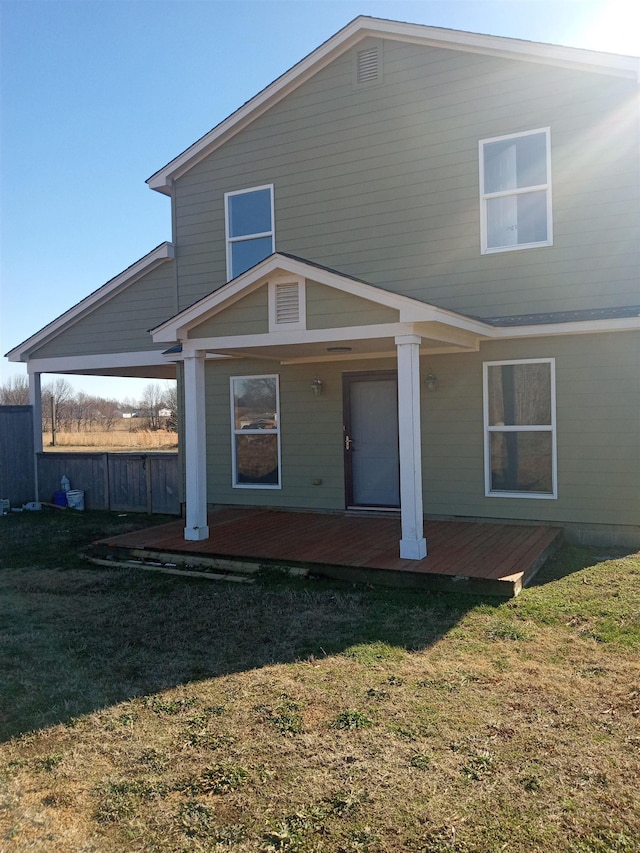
[{"x": 153, "y": 713}]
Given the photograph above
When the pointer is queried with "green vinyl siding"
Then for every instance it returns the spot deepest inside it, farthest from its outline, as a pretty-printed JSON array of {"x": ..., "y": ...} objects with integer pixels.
[
  {"x": 597, "y": 433},
  {"x": 328, "y": 308},
  {"x": 121, "y": 323},
  {"x": 311, "y": 435},
  {"x": 248, "y": 316},
  {"x": 381, "y": 182}
]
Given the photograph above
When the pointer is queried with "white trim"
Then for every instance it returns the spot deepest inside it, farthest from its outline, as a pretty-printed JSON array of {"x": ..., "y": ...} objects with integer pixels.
[
  {"x": 363, "y": 27},
  {"x": 413, "y": 545},
  {"x": 195, "y": 449},
  {"x": 263, "y": 432},
  {"x": 94, "y": 363},
  {"x": 163, "y": 252},
  {"x": 229, "y": 241},
  {"x": 274, "y": 284},
  {"x": 579, "y": 327},
  {"x": 486, "y": 197},
  {"x": 552, "y": 428},
  {"x": 35, "y": 400}
]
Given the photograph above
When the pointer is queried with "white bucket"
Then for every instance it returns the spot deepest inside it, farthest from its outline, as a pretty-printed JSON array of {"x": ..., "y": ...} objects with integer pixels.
[{"x": 75, "y": 499}]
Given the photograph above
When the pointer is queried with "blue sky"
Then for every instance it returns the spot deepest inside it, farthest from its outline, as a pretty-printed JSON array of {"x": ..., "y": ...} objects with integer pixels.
[{"x": 97, "y": 95}]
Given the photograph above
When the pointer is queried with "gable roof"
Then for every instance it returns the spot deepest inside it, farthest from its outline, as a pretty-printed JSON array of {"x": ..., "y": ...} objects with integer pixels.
[
  {"x": 363, "y": 27},
  {"x": 163, "y": 252},
  {"x": 410, "y": 310}
]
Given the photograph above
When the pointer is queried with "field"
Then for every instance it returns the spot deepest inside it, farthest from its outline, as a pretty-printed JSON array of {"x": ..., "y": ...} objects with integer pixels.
[
  {"x": 119, "y": 439},
  {"x": 153, "y": 713}
]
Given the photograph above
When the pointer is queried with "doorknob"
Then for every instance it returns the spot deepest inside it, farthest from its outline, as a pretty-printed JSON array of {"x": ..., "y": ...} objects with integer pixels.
[{"x": 348, "y": 441}]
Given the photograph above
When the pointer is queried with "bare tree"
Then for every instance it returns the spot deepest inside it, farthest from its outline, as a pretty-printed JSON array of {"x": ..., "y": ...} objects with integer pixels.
[
  {"x": 110, "y": 412},
  {"x": 171, "y": 403},
  {"x": 151, "y": 403},
  {"x": 57, "y": 406},
  {"x": 15, "y": 391}
]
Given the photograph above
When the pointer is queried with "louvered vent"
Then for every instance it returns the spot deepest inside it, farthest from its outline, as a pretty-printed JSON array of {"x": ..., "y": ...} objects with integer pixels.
[
  {"x": 287, "y": 303},
  {"x": 368, "y": 65}
]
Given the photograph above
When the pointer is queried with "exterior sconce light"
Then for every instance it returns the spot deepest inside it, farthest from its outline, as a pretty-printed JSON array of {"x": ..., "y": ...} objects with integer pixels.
[
  {"x": 431, "y": 381},
  {"x": 316, "y": 386}
]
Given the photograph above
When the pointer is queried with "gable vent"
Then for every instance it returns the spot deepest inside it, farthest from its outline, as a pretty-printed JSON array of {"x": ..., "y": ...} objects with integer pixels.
[
  {"x": 287, "y": 303},
  {"x": 368, "y": 65}
]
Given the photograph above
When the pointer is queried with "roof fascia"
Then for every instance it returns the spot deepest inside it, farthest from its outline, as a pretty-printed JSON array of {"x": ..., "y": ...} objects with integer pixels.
[
  {"x": 580, "y": 327},
  {"x": 162, "y": 253},
  {"x": 363, "y": 27}
]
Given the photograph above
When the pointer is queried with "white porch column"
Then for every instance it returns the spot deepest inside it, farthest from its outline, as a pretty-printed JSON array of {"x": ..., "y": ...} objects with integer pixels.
[
  {"x": 35, "y": 400},
  {"x": 195, "y": 448},
  {"x": 413, "y": 545}
]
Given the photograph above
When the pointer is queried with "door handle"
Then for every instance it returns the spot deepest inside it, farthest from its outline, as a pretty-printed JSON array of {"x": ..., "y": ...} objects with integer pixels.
[{"x": 348, "y": 441}]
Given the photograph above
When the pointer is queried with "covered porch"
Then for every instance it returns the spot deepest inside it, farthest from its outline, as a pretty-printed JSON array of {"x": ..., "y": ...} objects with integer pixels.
[{"x": 479, "y": 558}]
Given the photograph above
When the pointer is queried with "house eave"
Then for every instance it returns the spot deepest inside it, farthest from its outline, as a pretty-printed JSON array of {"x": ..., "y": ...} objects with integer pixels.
[{"x": 363, "y": 27}]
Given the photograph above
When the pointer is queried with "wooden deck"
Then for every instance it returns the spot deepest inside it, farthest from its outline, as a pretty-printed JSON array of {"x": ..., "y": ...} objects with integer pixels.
[{"x": 492, "y": 559}]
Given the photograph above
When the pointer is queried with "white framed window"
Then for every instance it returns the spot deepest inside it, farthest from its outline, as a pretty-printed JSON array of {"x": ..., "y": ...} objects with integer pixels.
[
  {"x": 249, "y": 228},
  {"x": 287, "y": 304},
  {"x": 255, "y": 432},
  {"x": 515, "y": 191},
  {"x": 520, "y": 428}
]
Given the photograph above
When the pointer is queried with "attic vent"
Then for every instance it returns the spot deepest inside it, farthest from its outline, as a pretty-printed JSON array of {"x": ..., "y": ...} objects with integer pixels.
[
  {"x": 367, "y": 65},
  {"x": 287, "y": 303}
]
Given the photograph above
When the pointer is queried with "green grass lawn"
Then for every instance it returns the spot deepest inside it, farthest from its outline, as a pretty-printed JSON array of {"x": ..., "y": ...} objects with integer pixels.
[{"x": 157, "y": 713}]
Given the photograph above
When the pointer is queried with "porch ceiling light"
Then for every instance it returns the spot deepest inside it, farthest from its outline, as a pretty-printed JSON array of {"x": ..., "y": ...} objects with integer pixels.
[
  {"x": 431, "y": 381},
  {"x": 316, "y": 386}
]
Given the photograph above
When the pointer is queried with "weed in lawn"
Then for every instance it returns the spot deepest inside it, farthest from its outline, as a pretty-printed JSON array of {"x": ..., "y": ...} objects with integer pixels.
[
  {"x": 49, "y": 762},
  {"x": 219, "y": 779},
  {"x": 196, "y": 819},
  {"x": 286, "y": 718},
  {"x": 480, "y": 766},
  {"x": 351, "y": 720},
  {"x": 420, "y": 760}
]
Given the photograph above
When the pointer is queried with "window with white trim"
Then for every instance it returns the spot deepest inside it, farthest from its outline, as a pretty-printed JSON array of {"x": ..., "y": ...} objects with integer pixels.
[
  {"x": 255, "y": 432},
  {"x": 515, "y": 191},
  {"x": 249, "y": 227},
  {"x": 520, "y": 431}
]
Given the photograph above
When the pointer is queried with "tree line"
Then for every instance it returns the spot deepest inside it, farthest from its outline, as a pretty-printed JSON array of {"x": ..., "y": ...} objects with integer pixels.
[{"x": 67, "y": 410}]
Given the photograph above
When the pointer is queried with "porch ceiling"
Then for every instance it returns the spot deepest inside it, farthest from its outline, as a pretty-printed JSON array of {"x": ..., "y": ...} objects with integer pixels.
[{"x": 331, "y": 349}]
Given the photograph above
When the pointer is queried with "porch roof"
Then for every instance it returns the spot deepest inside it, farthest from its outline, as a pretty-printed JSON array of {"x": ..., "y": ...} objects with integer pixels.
[{"x": 441, "y": 330}]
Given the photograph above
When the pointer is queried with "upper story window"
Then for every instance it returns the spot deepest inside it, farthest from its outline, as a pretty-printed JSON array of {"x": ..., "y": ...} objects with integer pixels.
[
  {"x": 515, "y": 191},
  {"x": 249, "y": 225},
  {"x": 520, "y": 429}
]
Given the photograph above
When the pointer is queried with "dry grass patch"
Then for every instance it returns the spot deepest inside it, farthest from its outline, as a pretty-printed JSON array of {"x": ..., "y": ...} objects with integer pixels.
[
  {"x": 320, "y": 718},
  {"x": 112, "y": 440}
]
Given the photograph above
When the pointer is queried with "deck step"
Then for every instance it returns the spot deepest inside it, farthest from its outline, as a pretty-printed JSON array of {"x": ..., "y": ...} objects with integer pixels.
[{"x": 170, "y": 569}]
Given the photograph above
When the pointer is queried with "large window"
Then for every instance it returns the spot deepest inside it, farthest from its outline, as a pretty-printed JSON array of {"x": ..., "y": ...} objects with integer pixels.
[
  {"x": 249, "y": 228},
  {"x": 515, "y": 188},
  {"x": 255, "y": 432},
  {"x": 520, "y": 440}
]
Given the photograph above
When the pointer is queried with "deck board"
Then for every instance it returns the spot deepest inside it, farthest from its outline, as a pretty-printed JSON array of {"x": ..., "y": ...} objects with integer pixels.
[{"x": 496, "y": 558}]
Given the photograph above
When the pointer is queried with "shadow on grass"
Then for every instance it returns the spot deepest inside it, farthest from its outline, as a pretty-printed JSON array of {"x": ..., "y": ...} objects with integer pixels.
[{"x": 76, "y": 638}]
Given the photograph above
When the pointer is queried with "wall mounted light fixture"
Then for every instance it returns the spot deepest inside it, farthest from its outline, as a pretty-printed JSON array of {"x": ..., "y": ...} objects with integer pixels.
[
  {"x": 431, "y": 381},
  {"x": 316, "y": 386}
]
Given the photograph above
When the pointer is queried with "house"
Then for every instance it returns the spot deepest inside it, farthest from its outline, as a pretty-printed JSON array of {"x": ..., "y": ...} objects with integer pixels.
[{"x": 405, "y": 275}]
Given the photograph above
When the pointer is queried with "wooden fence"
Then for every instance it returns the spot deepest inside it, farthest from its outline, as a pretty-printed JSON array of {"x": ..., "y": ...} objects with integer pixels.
[
  {"x": 123, "y": 482},
  {"x": 17, "y": 481}
]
